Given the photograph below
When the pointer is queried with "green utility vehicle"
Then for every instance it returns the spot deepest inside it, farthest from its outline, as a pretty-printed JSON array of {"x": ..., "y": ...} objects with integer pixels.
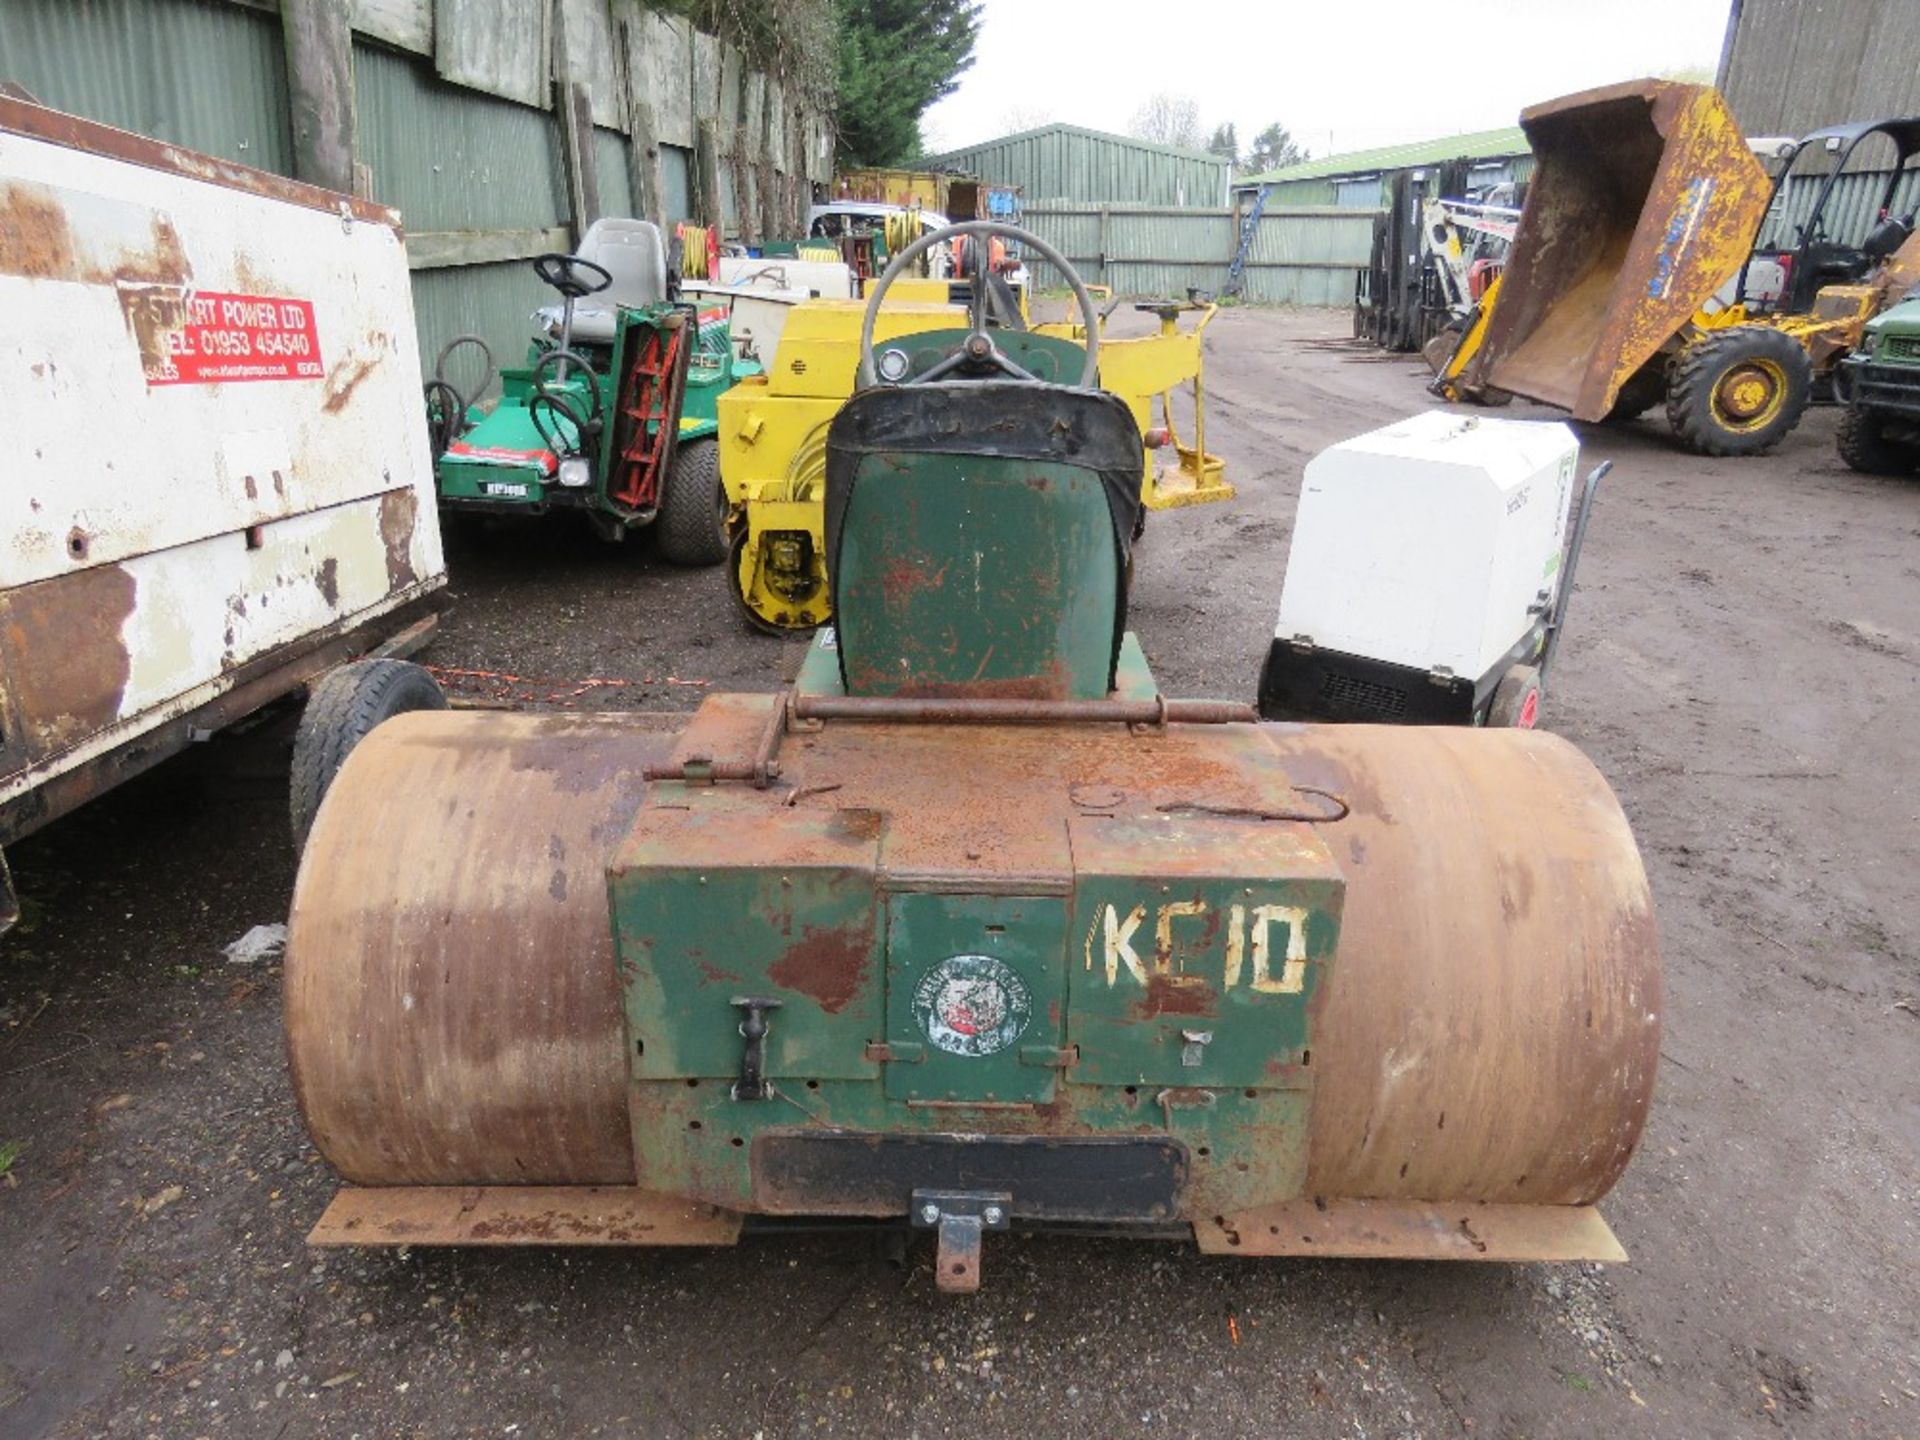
[
  {"x": 613, "y": 414},
  {"x": 1880, "y": 433}
]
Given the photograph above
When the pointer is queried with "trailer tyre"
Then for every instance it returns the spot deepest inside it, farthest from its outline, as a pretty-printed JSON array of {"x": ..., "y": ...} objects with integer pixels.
[
  {"x": 1739, "y": 391},
  {"x": 1516, "y": 700},
  {"x": 693, "y": 511},
  {"x": 341, "y": 709},
  {"x": 1863, "y": 444}
]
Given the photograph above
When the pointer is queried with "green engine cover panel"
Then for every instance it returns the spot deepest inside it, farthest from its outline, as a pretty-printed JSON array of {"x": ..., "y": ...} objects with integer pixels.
[
  {"x": 699, "y": 925},
  {"x": 978, "y": 575},
  {"x": 1017, "y": 931}
]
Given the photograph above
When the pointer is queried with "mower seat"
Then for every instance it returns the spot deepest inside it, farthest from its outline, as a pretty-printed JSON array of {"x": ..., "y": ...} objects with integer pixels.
[
  {"x": 635, "y": 254},
  {"x": 979, "y": 538}
]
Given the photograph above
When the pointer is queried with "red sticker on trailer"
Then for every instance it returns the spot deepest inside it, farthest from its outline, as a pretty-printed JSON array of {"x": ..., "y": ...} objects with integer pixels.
[{"x": 207, "y": 337}]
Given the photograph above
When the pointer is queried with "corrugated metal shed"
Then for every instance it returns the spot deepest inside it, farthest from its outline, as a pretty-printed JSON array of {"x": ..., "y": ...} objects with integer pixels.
[
  {"x": 1790, "y": 66},
  {"x": 1067, "y": 162},
  {"x": 1357, "y": 178},
  {"x": 450, "y": 158},
  {"x": 127, "y": 63}
]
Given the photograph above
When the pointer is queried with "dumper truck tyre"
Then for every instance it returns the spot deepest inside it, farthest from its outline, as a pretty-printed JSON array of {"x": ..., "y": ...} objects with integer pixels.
[
  {"x": 1645, "y": 389},
  {"x": 342, "y": 710},
  {"x": 1516, "y": 700},
  {"x": 1739, "y": 391},
  {"x": 693, "y": 509},
  {"x": 1862, "y": 442}
]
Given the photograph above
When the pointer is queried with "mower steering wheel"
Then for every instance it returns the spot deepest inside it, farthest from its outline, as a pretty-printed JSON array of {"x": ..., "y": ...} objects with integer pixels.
[
  {"x": 978, "y": 348},
  {"x": 560, "y": 271}
]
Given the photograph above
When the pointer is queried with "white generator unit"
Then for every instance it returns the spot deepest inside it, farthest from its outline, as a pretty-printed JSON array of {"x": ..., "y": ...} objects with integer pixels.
[{"x": 1427, "y": 570}]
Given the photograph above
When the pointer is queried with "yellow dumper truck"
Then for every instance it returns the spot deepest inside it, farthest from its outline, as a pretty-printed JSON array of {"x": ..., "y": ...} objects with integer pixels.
[{"x": 1634, "y": 280}]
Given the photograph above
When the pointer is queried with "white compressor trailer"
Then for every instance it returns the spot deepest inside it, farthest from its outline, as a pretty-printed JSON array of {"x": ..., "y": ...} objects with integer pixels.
[{"x": 1428, "y": 576}]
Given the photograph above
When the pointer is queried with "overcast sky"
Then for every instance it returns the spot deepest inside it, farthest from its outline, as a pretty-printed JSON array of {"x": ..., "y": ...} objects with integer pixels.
[{"x": 1341, "y": 76}]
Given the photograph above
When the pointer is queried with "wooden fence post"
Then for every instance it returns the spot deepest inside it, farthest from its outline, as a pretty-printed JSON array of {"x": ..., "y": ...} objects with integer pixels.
[{"x": 319, "y": 45}]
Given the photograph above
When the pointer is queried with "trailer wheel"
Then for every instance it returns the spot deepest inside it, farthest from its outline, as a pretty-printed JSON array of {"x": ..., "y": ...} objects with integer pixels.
[
  {"x": 1739, "y": 391},
  {"x": 1516, "y": 700},
  {"x": 1862, "y": 442},
  {"x": 341, "y": 709},
  {"x": 693, "y": 510}
]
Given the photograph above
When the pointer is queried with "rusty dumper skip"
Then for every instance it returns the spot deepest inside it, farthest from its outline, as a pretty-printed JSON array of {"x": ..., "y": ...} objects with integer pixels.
[
  {"x": 218, "y": 484},
  {"x": 972, "y": 926}
]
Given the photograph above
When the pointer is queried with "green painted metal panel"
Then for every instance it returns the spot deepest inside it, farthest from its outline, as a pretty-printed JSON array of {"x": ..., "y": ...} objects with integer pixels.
[
  {"x": 207, "y": 74},
  {"x": 976, "y": 990},
  {"x": 1207, "y": 977},
  {"x": 698, "y": 924},
  {"x": 961, "y": 584},
  {"x": 453, "y": 159}
]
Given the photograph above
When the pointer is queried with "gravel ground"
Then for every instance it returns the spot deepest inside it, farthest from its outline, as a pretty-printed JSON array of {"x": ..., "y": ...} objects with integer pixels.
[{"x": 1743, "y": 662}]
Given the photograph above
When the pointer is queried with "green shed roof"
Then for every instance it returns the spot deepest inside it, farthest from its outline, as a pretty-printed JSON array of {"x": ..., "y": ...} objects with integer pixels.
[
  {"x": 1480, "y": 145},
  {"x": 960, "y": 152}
]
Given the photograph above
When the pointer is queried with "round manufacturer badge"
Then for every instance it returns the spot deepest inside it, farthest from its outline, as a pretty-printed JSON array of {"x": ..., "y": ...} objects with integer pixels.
[{"x": 971, "y": 1005}]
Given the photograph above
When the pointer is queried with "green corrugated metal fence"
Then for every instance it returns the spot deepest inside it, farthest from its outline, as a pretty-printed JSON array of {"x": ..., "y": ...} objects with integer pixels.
[
  {"x": 1308, "y": 255},
  {"x": 152, "y": 68}
]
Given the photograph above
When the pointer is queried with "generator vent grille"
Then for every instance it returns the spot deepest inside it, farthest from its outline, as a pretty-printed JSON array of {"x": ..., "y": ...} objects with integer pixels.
[
  {"x": 1906, "y": 347},
  {"x": 1351, "y": 695}
]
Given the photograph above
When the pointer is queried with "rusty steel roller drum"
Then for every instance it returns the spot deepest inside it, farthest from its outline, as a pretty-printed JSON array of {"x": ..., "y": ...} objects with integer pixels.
[
  {"x": 452, "y": 1006},
  {"x": 1490, "y": 1028},
  {"x": 1487, "y": 1031}
]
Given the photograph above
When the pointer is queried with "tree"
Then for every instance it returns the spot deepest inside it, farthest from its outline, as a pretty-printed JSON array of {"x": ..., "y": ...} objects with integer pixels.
[
  {"x": 1025, "y": 117},
  {"x": 1273, "y": 149},
  {"x": 1168, "y": 120},
  {"x": 1226, "y": 143},
  {"x": 896, "y": 57}
]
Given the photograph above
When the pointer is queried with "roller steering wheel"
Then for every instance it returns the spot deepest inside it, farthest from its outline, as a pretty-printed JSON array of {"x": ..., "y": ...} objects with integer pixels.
[
  {"x": 563, "y": 273},
  {"x": 979, "y": 347}
]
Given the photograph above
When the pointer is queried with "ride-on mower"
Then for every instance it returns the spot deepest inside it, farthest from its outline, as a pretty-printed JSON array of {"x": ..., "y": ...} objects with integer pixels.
[
  {"x": 972, "y": 927},
  {"x": 773, "y": 429},
  {"x": 614, "y": 414}
]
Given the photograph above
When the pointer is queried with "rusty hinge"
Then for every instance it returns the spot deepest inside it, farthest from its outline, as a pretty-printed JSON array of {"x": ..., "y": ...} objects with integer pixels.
[{"x": 694, "y": 770}]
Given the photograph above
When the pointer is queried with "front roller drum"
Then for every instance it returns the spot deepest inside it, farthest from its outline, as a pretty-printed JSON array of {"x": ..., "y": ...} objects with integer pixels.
[
  {"x": 1482, "y": 1046},
  {"x": 452, "y": 1004}
]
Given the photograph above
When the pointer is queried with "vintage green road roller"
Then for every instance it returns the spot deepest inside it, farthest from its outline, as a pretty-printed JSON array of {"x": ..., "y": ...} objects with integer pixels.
[{"x": 971, "y": 927}]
